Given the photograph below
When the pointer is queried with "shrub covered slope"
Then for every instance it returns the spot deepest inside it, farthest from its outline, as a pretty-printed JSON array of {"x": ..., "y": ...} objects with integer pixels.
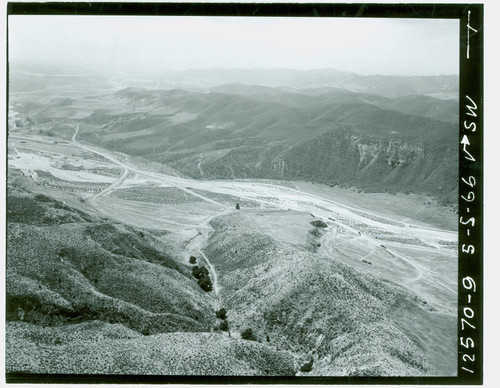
[
  {"x": 86, "y": 295},
  {"x": 319, "y": 307}
]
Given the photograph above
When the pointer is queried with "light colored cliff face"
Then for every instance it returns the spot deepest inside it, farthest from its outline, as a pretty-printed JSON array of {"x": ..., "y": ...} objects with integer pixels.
[
  {"x": 396, "y": 152},
  {"x": 395, "y": 164},
  {"x": 366, "y": 153}
]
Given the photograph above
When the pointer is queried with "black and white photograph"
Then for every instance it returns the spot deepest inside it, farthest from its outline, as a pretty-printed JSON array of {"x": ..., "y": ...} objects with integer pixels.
[{"x": 228, "y": 194}]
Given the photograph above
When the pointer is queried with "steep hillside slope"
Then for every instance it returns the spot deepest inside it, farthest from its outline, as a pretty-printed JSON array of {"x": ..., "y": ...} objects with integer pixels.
[
  {"x": 375, "y": 164},
  {"x": 349, "y": 322},
  {"x": 62, "y": 269}
]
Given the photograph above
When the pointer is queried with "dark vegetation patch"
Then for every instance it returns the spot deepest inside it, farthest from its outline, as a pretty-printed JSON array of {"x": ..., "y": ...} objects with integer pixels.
[
  {"x": 202, "y": 274},
  {"x": 199, "y": 272},
  {"x": 319, "y": 224},
  {"x": 221, "y": 313},
  {"x": 223, "y": 324},
  {"x": 315, "y": 232},
  {"x": 248, "y": 334},
  {"x": 312, "y": 238},
  {"x": 307, "y": 367},
  {"x": 205, "y": 283}
]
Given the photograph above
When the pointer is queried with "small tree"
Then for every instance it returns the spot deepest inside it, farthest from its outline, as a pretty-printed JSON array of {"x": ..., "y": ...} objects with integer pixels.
[
  {"x": 307, "y": 367},
  {"x": 205, "y": 284},
  {"x": 192, "y": 260},
  {"x": 237, "y": 206},
  {"x": 248, "y": 335},
  {"x": 224, "y": 326},
  {"x": 199, "y": 272},
  {"x": 221, "y": 314}
]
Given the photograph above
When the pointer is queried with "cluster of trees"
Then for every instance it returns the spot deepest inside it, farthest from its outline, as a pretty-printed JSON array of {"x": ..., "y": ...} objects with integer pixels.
[
  {"x": 221, "y": 314},
  {"x": 202, "y": 274}
]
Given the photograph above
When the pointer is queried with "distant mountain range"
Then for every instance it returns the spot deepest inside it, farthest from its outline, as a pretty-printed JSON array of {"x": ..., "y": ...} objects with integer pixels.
[
  {"x": 388, "y": 86},
  {"x": 24, "y": 74}
]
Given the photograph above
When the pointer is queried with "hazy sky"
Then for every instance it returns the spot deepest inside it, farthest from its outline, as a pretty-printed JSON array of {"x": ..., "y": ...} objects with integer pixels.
[{"x": 148, "y": 44}]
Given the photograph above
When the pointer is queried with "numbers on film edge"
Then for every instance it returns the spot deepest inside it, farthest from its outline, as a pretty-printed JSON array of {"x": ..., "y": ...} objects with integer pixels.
[
  {"x": 466, "y": 342},
  {"x": 467, "y": 221}
]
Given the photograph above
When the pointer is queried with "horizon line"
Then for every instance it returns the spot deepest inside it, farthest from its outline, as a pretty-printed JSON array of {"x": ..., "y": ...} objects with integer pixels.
[{"x": 136, "y": 72}]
